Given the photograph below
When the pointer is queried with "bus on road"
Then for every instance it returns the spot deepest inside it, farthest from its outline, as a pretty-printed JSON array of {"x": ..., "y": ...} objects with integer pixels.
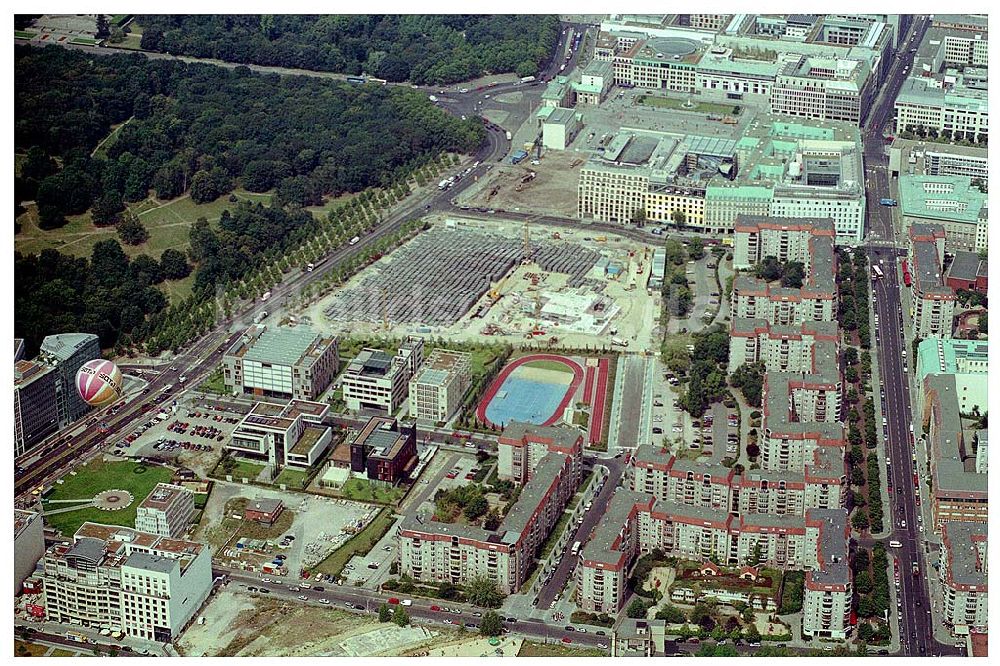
[{"x": 877, "y": 272}]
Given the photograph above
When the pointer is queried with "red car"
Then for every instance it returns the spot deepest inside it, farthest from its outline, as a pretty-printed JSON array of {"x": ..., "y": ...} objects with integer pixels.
[
  {"x": 435, "y": 608},
  {"x": 393, "y": 600},
  {"x": 566, "y": 640}
]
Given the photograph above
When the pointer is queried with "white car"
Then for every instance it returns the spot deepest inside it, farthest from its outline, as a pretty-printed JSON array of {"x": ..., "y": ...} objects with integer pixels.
[
  {"x": 325, "y": 602},
  {"x": 406, "y": 602}
]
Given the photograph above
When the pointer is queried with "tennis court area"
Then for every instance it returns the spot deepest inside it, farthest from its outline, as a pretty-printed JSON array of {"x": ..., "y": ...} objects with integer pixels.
[{"x": 534, "y": 389}]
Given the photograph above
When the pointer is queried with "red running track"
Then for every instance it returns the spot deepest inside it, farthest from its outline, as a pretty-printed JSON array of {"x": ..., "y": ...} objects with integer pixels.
[
  {"x": 588, "y": 385},
  {"x": 491, "y": 392},
  {"x": 597, "y": 407}
]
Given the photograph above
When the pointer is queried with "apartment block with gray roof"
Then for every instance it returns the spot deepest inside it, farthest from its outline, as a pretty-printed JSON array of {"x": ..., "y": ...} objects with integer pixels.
[
  {"x": 963, "y": 573},
  {"x": 959, "y": 485},
  {"x": 284, "y": 362},
  {"x": 933, "y": 301},
  {"x": 436, "y": 552},
  {"x": 951, "y": 102}
]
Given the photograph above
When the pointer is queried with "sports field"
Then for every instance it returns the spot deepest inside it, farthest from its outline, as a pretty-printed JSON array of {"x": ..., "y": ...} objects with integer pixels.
[
  {"x": 534, "y": 389},
  {"x": 93, "y": 478}
]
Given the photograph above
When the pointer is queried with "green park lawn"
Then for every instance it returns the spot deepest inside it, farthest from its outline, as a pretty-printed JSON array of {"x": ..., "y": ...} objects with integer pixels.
[
  {"x": 292, "y": 478},
  {"x": 532, "y": 649},
  {"x": 360, "y": 489},
  {"x": 95, "y": 477},
  {"x": 548, "y": 365}
]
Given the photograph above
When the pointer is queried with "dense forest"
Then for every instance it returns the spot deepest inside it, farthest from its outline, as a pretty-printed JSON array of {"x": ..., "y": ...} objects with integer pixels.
[
  {"x": 420, "y": 49},
  {"x": 106, "y": 295},
  {"x": 206, "y": 129},
  {"x": 200, "y": 129}
]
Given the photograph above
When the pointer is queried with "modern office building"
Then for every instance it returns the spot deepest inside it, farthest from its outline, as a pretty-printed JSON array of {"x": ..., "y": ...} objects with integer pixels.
[
  {"x": 932, "y": 300},
  {"x": 116, "y": 578},
  {"x": 436, "y": 552},
  {"x": 166, "y": 511},
  {"x": 66, "y": 352},
  {"x": 383, "y": 451},
  {"x": 958, "y": 488},
  {"x": 521, "y": 446},
  {"x": 560, "y": 127},
  {"x": 283, "y": 435},
  {"x": 287, "y": 362},
  {"x": 778, "y": 168},
  {"x": 375, "y": 380},
  {"x": 29, "y": 545},
  {"x": 922, "y": 158},
  {"x": 963, "y": 573},
  {"x": 439, "y": 386},
  {"x": 950, "y": 201},
  {"x": 36, "y": 411},
  {"x": 953, "y": 104},
  {"x": 824, "y": 89},
  {"x": 965, "y": 360}
]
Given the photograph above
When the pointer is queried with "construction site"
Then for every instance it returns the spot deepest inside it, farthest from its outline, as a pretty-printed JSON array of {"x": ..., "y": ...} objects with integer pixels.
[
  {"x": 546, "y": 188},
  {"x": 468, "y": 278}
]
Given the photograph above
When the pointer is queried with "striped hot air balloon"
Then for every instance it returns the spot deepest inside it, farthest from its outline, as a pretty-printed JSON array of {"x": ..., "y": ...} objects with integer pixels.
[{"x": 99, "y": 382}]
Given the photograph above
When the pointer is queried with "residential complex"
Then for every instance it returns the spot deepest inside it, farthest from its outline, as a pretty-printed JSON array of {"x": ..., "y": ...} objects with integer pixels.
[
  {"x": 521, "y": 446},
  {"x": 286, "y": 362},
  {"x": 636, "y": 523},
  {"x": 291, "y": 435},
  {"x": 439, "y": 386},
  {"x": 384, "y": 452},
  {"x": 111, "y": 577},
  {"x": 933, "y": 301},
  {"x": 807, "y": 241},
  {"x": 166, "y": 511},
  {"x": 376, "y": 380},
  {"x": 436, "y": 552}
]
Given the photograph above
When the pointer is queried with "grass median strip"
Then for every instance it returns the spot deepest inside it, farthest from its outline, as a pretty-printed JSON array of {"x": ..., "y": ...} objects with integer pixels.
[{"x": 359, "y": 544}]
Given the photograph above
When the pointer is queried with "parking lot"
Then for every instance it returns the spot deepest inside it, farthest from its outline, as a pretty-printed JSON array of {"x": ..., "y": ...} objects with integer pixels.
[{"x": 191, "y": 436}]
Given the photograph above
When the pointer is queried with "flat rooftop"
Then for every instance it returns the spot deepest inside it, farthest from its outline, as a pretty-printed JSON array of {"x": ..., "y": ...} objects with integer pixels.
[
  {"x": 947, "y": 198},
  {"x": 162, "y": 496},
  {"x": 282, "y": 346}
]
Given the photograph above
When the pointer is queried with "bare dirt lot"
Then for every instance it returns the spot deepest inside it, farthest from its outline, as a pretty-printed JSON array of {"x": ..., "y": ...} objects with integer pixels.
[
  {"x": 240, "y": 624},
  {"x": 553, "y": 190}
]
